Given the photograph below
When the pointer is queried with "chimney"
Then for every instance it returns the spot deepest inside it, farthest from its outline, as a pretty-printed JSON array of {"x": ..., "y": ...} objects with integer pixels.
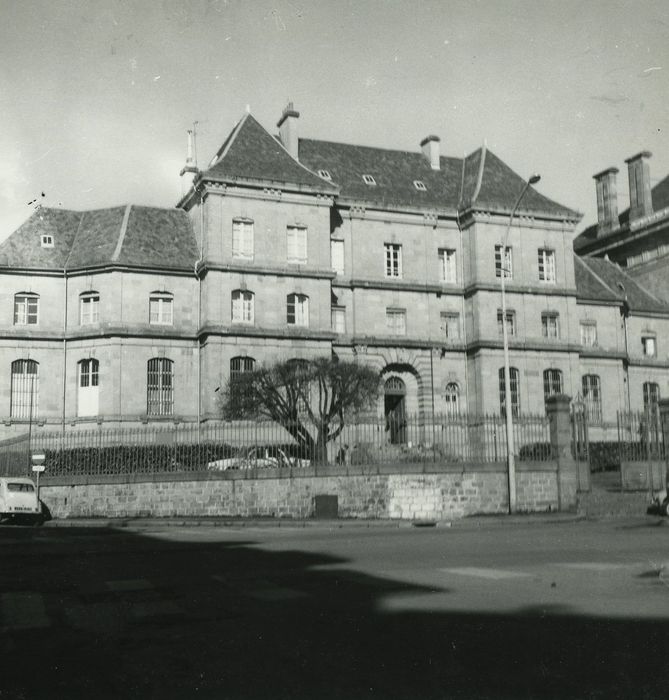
[
  {"x": 189, "y": 171},
  {"x": 641, "y": 203},
  {"x": 430, "y": 146},
  {"x": 288, "y": 130},
  {"x": 607, "y": 201}
]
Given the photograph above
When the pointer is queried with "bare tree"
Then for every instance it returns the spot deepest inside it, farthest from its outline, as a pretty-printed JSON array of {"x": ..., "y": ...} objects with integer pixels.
[{"x": 309, "y": 398}]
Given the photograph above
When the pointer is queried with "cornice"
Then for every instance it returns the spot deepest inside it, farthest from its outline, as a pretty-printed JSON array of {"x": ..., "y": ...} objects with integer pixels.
[
  {"x": 543, "y": 290},
  {"x": 97, "y": 269},
  {"x": 399, "y": 285},
  {"x": 251, "y": 268},
  {"x": 248, "y": 331}
]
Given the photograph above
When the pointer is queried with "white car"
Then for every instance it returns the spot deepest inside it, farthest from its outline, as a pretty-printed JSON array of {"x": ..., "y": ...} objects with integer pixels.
[
  {"x": 18, "y": 500},
  {"x": 254, "y": 457}
]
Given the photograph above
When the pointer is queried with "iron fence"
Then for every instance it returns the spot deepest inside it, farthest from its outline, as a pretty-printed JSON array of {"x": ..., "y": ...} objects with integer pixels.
[
  {"x": 361, "y": 440},
  {"x": 640, "y": 436}
]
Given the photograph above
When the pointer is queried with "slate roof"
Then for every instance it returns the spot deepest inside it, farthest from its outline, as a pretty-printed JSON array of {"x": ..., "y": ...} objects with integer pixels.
[
  {"x": 250, "y": 153},
  {"x": 153, "y": 237},
  {"x": 660, "y": 199},
  {"x": 598, "y": 279}
]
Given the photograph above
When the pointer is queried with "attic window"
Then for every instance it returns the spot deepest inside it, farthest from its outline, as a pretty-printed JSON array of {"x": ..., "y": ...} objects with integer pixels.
[
  {"x": 368, "y": 180},
  {"x": 47, "y": 240},
  {"x": 420, "y": 185},
  {"x": 325, "y": 174}
]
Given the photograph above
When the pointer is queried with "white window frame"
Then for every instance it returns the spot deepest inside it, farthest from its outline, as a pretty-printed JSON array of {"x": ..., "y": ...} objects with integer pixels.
[
  {"x": 337, "y": 260},
  {"x": 649, "y": 345},
  {"x": 338, "y": 317},
  {"x": 448, "y": 265},
  {"x": 369, "y": 179},
  {"x": 243, "y": 306},
  {"x": 26, "y": 309},
  {"x": 393, "y": 260},
  {"x": 396, "y": 322},
  {"x": 508, "y": 262},
  {"x": 510, "y": 322},
  {"x": 297, "y": 308},
  {"x": 46, "y": 240},
  {"x": 589, "y": 334},
  {"x": 161, "y": 309},
  {"x": 546, "y": 263},
  {"x": 325, "y": 174},
  {"x": 550, "y": 324},
  {"x": 420, "y": 185},
  {"x": 243, "y": 239},
  {"x": 296, "y": 244},
  {"x": 89, "y": 308}
]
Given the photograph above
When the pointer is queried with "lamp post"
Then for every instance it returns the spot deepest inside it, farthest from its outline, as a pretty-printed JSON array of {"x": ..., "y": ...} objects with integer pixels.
[{"x": 508, "y": 408}]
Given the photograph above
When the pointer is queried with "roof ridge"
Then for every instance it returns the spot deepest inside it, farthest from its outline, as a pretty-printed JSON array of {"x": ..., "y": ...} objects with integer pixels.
[
  {"x": 121, "y": 233},
  {"x": 479, "y": 177},
  {"x": 374, "y": 148},
  {"x": 74, "y": 239}
]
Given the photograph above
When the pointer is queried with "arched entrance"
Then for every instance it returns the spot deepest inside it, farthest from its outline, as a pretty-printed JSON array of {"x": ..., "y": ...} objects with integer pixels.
[{"x": 394, "y": 407}]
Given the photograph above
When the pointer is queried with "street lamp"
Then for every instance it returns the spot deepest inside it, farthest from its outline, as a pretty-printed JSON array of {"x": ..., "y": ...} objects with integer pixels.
[{"x": 505, "y": 335}]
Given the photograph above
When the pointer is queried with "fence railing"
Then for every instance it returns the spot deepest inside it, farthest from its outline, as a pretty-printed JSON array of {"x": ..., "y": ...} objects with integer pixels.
[
  {"x": 362, "y": 440},
  {"x": 640, "y": 436}
]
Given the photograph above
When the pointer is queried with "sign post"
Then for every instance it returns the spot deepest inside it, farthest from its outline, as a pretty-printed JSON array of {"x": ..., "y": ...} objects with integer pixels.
[{"x": 38, "y": 467}]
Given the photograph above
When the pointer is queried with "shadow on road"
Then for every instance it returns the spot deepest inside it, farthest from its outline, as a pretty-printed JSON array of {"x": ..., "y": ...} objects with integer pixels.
[{"x": 230, "y": 620}]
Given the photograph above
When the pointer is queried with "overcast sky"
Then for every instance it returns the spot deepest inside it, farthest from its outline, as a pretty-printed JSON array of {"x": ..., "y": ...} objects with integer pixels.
[{"x": 97, "y": 95}]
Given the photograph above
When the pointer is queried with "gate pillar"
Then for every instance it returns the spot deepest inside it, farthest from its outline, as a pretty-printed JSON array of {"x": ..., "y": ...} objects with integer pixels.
[
  {"x": 557, "y": 409},
  {"x": 663, "y": 406}
]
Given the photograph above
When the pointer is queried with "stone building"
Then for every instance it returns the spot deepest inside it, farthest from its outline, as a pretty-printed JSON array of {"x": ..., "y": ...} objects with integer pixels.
[{"x": 285, "y": 247}]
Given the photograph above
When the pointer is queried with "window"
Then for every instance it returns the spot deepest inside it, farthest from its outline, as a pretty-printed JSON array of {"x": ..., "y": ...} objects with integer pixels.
[
  {"x": 419, "y": 185},
  {"x": 510, "y": 322},
  {"x": 25, "y": 390},
  {"x": 339, "y": 319},
  {"x": 240, "y": 365},
  {"x": 325, "y": 174},
  {"x": 297, "y": 310},
  {"x": 242, "y": 306},
  {"x": 46, "y": 240},
  {"x": 160, "y": 387},
  {"x": 589, "y": 334},
  {"x": 89, "y": 380},
  {"x": 368, "y": 180},
  {"x": 649, "y": 345},
  {"x": 651, "y": 396},
  {"x": 297, "y": 244},
  {"x": 396, "y": 321},
  {"x": 452, "y": 399},
  {"x": 550, "y": 325},
  {"x": 514, "y": 381},
  {"x": 393, "y": 253},
  {"x": 552, "y": 382},
  {"x": 450, "y": 325},
  {"x": 242, "y": 239},
  {"x": 302, "y": 384},
  {"x": 546, "y": 265},
  {"x": 508, "y": 262},
  {"x": 160, "y": 309},
  {"x": 26, "y": 308},
  {"x": 447, "y": 265},
  {"x": 592, "y": 396},
  {"x": 337, "y": 256},
  {"x": 89, "y": 308}
]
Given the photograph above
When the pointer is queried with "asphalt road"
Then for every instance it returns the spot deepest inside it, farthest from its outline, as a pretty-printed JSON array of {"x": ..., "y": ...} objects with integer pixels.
[{"x": 479, "y": 610}]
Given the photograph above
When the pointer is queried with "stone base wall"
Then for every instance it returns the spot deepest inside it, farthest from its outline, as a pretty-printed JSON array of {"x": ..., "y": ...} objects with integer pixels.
[{"x": 402, "y": 496}]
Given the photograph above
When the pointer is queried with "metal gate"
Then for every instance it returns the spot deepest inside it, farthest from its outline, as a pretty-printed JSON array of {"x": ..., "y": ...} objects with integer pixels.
[
  {"x": 15, "y": 456},
  {"x": 580, "y": 446}
]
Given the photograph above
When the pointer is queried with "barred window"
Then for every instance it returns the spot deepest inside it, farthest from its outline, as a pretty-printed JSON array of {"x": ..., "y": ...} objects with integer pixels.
[
  {"x": 160, "y": 387},
  {"x": 89, "y": 308},
  {"x": 25, "y": 390},
  {"x": 507, "y": 265},
  {"x": 452, "y": 399},
  {"x": 243, "y": 310},
  {"x": 297, "y": 310},
  {"x": 552, "y": 382},
  {"x": 160, "y": 309},
  {"x": 393, "y": 257},
  {"x": 242, "y": 239},
  {"x": 651, "y": 396},
  {"x": 514, "y": 380},
  {"x": 239, "y": 365},
  {"x": 592, "y": 396},
  {"x": 26, "y": 308}
]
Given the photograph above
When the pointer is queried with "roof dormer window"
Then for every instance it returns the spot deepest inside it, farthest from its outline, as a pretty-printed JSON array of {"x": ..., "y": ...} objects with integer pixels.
[
  {"x": 420, "y": 185},
  {"x": 368, "y": 180},
  {"x": 47, "y": 240},
  {"x": 325, "y": 174}
]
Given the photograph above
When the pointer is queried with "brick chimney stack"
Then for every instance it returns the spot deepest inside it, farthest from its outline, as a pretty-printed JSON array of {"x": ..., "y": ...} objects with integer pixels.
[
  {"x": 430, "y": 146},
  {"x": 288, "y": 130},
  {"x": 607, "y": 200},
  {"x": 641, "y": 202}
]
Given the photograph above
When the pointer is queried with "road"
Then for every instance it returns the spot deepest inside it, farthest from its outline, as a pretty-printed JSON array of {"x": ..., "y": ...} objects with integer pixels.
[{"x": 479, "y": 610}]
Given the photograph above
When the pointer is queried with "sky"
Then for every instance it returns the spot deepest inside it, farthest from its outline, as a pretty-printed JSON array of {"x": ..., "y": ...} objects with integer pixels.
[{"x": 97, "y": 97}]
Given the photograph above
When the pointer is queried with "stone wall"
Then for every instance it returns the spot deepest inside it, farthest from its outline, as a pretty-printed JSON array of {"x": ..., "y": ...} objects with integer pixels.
[{"x": 404, "y": 496}]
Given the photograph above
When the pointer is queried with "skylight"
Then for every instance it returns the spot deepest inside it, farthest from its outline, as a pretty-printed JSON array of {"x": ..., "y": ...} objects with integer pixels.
[
  {"x": 325, "y": 174},
  {"x": 368, "y": 180},
  {"x": 47, "y": 240},
  {"x": 419, "y": 185}
]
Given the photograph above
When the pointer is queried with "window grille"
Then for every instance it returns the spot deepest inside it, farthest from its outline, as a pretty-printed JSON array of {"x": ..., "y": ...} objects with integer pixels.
[
  {"x": 514, "y": 381},
  {"x": 592, "y": 396},
  {"x": 160, "y": 387},
  {"x": 552, "y": 382},
  {"x": 651, "y": 396},
  {"x": 452, "y": 399},
  {"x": 25, "y": 390},
  {"x": 240, "y": 365}
]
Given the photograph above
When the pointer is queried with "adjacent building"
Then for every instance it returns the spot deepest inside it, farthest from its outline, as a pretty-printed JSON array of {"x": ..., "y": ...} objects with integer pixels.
[{"x": 291, "y": 248}]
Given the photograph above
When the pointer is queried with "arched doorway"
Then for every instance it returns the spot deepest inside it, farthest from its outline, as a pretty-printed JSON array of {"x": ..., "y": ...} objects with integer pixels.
[{"x": 394, "y": 406}]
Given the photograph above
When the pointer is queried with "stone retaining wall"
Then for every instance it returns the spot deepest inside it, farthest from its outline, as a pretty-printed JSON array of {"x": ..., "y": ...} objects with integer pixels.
[{"x": 403, "y": 495}]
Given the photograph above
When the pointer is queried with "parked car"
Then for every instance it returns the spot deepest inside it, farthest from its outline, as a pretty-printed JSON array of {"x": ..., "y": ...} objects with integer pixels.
[
  {"x": 270, "y": 456},
  {"x": 19, "y": 502},
  {"x": 659, "y": 505}
]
